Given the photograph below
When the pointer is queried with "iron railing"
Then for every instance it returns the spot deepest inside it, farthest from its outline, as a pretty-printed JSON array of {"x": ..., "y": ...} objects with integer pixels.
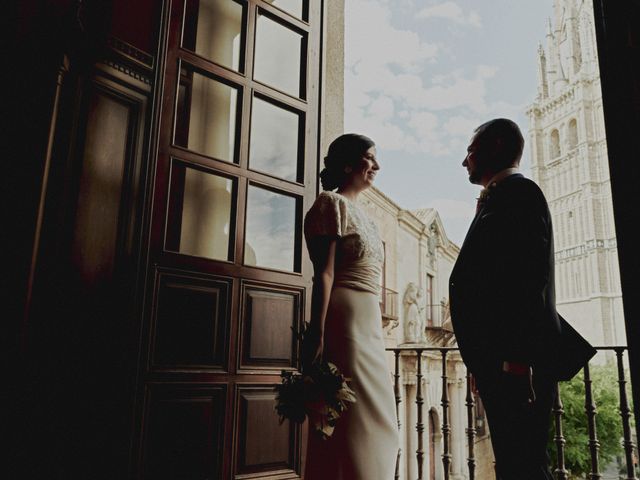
[{"x": 560, "y": 471}]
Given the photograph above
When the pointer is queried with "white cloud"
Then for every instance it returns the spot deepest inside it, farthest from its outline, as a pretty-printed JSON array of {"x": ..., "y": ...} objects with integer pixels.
[
  {"x": 383, "y": 131},
  {"x": 419, "y": 79},
  {"x": 392, "y": 90},
  {"x": 459, "y": 91},
  {"x": 409, "y": 116},
  {"x": 356, "y": 97},
  {"x": 381, "y": 109},
  {"x": 451, "y": 11},
  {"x": 372, "y": 39},
  {"x": 454, "y": 90},
  {"x": 423, "y": 122},
  {"x": 461, "y": 126}
]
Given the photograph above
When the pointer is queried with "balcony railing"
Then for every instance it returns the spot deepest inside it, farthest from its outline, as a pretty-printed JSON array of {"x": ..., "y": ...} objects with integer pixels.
[{"x": 560, "y": 470}]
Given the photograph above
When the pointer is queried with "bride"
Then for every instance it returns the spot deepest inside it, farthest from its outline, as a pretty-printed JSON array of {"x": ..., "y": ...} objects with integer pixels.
[{"x": 345, "y": 324}]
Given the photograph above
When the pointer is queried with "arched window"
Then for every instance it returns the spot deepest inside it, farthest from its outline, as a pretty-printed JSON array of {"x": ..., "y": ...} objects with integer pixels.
[
  {"x": 554, "y": 145},
  {"x": 572, "y": 134}
]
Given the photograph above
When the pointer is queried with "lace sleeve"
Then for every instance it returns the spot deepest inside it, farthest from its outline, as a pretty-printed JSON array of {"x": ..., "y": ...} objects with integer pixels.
[{"x": 327, "y": 217}]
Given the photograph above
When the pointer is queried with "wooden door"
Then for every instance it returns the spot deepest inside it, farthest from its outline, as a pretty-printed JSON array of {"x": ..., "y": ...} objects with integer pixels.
[
  {"x": 83, "y": 323},
  {"x": 236, "y": 169}
]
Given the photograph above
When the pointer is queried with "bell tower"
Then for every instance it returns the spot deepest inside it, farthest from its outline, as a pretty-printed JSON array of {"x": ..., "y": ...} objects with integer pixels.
[{"x": 570, "y": 163}]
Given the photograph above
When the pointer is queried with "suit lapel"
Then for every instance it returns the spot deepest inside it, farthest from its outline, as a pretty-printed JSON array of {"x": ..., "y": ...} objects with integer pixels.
[{"x": 488, "y": 204}]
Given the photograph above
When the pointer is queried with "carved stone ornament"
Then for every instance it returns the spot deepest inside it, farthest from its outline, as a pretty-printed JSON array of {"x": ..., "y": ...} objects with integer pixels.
[{"x": 413, "y": 318}]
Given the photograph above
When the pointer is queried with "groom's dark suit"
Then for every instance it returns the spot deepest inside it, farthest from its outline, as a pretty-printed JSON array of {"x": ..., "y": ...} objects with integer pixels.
[{"x": 503, "y": 310}]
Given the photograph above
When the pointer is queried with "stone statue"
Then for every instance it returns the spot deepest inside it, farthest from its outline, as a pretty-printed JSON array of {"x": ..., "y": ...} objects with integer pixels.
[
  {"x": 432, "y": 241},
  {"x": 446, "y": 314},
  {"x": 413, "y": 321}
]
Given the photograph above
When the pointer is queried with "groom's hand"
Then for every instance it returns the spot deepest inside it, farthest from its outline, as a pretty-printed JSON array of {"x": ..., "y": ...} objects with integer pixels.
[{"x": 519, "y": 379}]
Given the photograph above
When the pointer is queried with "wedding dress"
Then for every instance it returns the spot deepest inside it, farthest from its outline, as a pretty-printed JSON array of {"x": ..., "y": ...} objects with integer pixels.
[{"x": 364, "y": 444}]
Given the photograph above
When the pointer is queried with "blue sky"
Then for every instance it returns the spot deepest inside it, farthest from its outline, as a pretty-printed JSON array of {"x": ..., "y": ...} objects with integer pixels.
[{"x": 421, "y": 75}]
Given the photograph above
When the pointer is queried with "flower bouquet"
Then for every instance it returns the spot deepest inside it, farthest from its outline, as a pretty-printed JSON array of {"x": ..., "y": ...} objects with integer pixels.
[{"x": 321, "y": 393}]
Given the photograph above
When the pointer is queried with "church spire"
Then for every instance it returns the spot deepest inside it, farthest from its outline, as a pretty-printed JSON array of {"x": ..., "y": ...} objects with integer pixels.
[
  {"x": 551, "y": 59},
  {"x": 558, "y": 78},
  {"x": 558, "y": 6},
  {"x": 543, "y": 86},
  {"x": 561, "y": 78},
  {"x": 573, "y": 39}
]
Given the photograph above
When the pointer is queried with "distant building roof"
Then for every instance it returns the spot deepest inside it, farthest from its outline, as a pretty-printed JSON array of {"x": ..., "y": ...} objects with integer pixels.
[{"x": 424, "y": 214}]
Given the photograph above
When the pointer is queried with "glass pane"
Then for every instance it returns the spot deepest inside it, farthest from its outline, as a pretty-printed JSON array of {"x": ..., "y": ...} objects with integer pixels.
[
  {"x": 206, "y": 116},
  {"x": 274, "y": 140},
  {"x": 271, "y": 230},
  {"x": 213, "y": 29},
  {"x": 277, "y": 57},
  {"x": 200, "y": 208},
  {"x": 294, "y": 7}
]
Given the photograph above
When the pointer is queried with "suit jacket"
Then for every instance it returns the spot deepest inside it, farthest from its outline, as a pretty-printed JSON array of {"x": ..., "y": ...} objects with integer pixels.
[{"x": 502, "y": 289}]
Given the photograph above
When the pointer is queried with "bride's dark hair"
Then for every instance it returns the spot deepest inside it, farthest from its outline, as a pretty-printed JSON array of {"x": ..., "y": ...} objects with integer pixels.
[{"x": 344, "y": 151}]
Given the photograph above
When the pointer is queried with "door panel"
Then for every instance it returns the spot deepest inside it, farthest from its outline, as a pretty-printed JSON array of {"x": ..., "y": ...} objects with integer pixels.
[
  {"x": 185, "y": 428},
  {"x": 191, "y": 321},
  {"x": 263, "y": 443},
  {"x": 269, "y": 318}
]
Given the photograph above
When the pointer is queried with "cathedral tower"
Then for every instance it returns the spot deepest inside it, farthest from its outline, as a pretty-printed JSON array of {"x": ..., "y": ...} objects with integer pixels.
[{"x": 570, "y": 163}]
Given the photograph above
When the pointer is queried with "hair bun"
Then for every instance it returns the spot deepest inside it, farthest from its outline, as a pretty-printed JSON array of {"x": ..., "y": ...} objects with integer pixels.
[{"x": 330, "y": 178}]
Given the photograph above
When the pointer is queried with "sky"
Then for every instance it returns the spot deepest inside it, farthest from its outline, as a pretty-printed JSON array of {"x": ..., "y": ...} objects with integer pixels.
[{"x": 420, "y": 75}]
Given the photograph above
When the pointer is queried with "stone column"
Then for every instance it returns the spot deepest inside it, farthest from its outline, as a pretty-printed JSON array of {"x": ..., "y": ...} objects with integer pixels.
[
  {"x": 459, "y": 422},
  {"x": 410, "y": 434},
  {"x": 333, "y": 73}
]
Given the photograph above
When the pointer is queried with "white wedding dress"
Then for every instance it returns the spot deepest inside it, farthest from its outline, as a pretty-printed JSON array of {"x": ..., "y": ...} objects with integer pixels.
[{"x": 364, "y": 444}]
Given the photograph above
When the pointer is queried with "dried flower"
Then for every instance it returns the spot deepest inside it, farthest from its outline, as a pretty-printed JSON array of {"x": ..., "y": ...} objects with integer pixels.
[{"x": 322, "y": 394}]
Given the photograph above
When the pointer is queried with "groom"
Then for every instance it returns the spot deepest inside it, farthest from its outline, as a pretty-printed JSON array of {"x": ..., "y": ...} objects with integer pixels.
[{"x": 503, "y": 305}]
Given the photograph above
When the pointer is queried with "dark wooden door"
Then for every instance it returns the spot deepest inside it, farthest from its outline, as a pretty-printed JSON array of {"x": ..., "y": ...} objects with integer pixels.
[
  {"x": 228, "y": 284},
  {"x": 82, "y": 352}
]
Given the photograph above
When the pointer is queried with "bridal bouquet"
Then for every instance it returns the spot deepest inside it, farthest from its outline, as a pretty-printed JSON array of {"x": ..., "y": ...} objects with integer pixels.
[{"x": 320, "y": 393}]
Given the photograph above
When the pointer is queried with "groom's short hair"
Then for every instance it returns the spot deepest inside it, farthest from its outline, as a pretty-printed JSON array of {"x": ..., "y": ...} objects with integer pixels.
[{"x": 503, "y": 138}]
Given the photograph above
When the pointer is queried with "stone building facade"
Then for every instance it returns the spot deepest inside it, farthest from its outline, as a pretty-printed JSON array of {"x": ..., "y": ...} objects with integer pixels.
[{"x": 570, "y": 163}]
